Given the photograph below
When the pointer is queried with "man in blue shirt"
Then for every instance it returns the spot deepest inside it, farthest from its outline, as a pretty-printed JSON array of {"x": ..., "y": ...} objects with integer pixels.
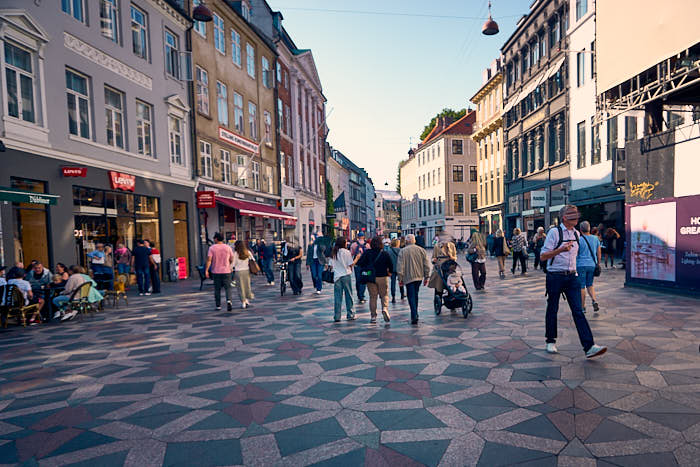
[
  {"x": 561, "y": 247},
  {"x": 588, "y": 257}
]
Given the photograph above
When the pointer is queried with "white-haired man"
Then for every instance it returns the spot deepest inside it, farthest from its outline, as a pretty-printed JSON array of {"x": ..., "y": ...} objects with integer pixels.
[
  {"x": 561, "y": 247},
  {"x": 412, "y": 267}
]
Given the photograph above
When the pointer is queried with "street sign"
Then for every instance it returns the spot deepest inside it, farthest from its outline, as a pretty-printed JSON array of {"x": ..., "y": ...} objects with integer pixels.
[{"x": 206, "y": 199}]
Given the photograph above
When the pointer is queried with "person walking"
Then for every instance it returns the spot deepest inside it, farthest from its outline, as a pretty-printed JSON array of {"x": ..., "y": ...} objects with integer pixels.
[
  {"x": 489, "y": 243},
  {"x": 218, "y": 266},
  {"x": 500, "y": 251},
  {"x": 342, "y": 263},
  {"x": 141, "y": 262},
  {"x": 267, "y": 255},
  {"x": 293, "y": 257},
  {"x": 154, "y": 267},
  {"x": 380, "y": 262},
  {"x": 561, "y": 247},
  {"x": 610, "y": 240},
  {"x": 358, "y": 247},
  {"x": 241, "y": 260},
  {"x": 412, "y": 267},
  {"x": 586, "y": 261},
  {"x": 393, "y": 251},
  {"x": 538, "y": 243},
  {"x": 477, "y": 249},
  {"x": 442, "y": 252},
  {"x": 316, "y": 260},
  {"x": 519, "y": 247}
]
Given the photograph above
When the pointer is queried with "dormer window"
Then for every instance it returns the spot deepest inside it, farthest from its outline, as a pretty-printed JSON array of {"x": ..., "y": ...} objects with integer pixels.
[{"x": 245, "y": 10}]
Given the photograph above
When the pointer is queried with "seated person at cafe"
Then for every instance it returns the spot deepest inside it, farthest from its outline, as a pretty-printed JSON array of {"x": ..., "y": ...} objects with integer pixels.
[
  {"x": 75, "y": 280},
  {"x": 39, "y": 278},
  {"x": 3, "y": 281},
  {"x": 16, "y": 277}
]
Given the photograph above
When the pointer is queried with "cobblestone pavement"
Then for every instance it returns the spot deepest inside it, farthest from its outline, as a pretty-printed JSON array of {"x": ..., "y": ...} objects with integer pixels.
[{"x": 172, "y": 381}]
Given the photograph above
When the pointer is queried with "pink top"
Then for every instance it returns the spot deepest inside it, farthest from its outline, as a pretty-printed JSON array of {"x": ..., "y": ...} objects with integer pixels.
[{"x": 221, "y": 255}]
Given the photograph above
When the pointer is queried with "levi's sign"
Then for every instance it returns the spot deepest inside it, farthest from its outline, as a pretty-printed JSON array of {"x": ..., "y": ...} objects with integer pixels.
[
  {"x": 121, "y": 181},
  {"x": 74, "y": 171},
  {"x": 238, "y": 141}
]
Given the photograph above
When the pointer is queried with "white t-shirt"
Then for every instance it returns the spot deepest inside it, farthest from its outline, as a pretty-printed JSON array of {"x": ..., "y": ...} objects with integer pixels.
[
  {"x": 241, "y": 264},
  {"x": 342, "y": 264},
  {"x": 23, "y": 286}
]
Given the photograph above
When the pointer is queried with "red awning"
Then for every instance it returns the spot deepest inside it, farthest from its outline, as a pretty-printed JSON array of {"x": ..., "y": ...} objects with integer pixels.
[{"x": 248, "y": 208}]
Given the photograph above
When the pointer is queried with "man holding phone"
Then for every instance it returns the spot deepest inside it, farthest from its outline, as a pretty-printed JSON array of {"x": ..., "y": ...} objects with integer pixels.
[{"x": 561, "y": 247}]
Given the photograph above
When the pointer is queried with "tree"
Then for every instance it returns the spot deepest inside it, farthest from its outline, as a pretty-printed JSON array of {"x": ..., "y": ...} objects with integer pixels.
[
  {"x": 330, "y": 209},
  {"x": 398, "y": 177},
  {"x": 455, "y": 114}
]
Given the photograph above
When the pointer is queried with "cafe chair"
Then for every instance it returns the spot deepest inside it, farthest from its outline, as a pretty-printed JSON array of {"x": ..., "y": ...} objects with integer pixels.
[
  {"x": 119, "y": 291},
  {"x": 79, "y": 299},
  {"x": 12, "y": 302}
]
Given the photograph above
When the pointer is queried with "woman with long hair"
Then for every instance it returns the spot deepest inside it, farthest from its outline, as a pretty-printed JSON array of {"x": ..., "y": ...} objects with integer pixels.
[
  {"x": 500, "y": 251},
  {"x": 241, "y": 256},
  {"x": 341, "y": 262},
  {"x": 519, "y": 247},
  {"x": 478, "y": 245},
  {"x": 378, "y": 259},
  {"x": 62, "y": 270},
  {"x": 610, "y": 241}
]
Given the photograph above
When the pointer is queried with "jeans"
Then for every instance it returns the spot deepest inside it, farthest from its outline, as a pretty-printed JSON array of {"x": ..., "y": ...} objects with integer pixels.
[
  {"x": 155, "y": 278},
  {"x": 267, "y": 269},
  {"x": 522, "y": 256},
  {"x": 342, "y": 286},
  {"x": 60, "y": 301},
  {"x": 143, "y": 279},
  {"x": 316, "y": 269},
  {"x": 412, "y": 295},
  {"x": 537, "y": 259},
  {"x": 378, "y": 288},
  {"x": 570, "y": 287},
  {"x": 479, "y": 275},
  {"x": 294, "y": 270},
  {"x": 222, "y": 280},
  {"x": 394, "y": 279},
  {"x": 358, "y": 286},
  {"x": 123, "y": 268}
]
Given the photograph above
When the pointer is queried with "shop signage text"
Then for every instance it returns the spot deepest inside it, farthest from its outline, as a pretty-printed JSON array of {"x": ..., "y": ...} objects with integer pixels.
[
  {"x": 558, "y": 197},
  {"x": 288, "y": 205},
  {"x": 306, "y": 204},
  {"x": 206, "y": 199},
  {"x": 538, "y": 198},
  {"x": 122, "y": 181},
  {"x": 238, "y": 141},
  {"x": 74, "y": 171},
  {"x": 21, "y": 196}
]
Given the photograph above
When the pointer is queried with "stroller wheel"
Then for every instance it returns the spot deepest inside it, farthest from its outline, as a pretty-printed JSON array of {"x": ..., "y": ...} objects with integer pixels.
[
  {"x": 467, "y": 307},
  {"x": 438, "y": 304}
]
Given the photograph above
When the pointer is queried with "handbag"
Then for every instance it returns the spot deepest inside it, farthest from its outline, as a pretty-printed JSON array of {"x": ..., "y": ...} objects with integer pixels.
[
  {"x": 367, "y": 274},
  {"x": 253, "y": 267},
  {"x": 472, "y": 257},
  {"x": 596, "y": 270},
  {"x": 327, "y": 276}
]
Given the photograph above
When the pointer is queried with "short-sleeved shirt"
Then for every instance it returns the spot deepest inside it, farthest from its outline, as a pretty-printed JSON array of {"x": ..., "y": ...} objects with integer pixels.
[
  {"x": 23, "y": 286},
  {"x": 565, "y": 261},
  {"x": 584, "y": 258},
  {"x": 341, "y": 264},
  {"x": 140, "y": 255},
  {"x": 221, "y": 255}
]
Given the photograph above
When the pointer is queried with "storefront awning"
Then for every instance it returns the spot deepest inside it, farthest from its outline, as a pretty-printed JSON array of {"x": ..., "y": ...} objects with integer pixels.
[
  {"x": 248, "y": 208},
  {"x": 339, "y": 203},
  {"x": 22, "y": 196}
]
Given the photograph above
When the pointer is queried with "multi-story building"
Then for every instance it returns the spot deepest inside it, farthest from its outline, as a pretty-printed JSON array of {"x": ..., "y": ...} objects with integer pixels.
[
  {"x": 301, "y": 111},
  {"x": 235, "y": 123},
  {"x": 371, "y": 219},
  {"x": 358, "y": 203},
  {"x": 338, "y": 176},
  {"x": 388, "y": 212},
  {"x": 488, "y": 136},
  {"x": 444, "y": 196},
  {"x": 100, "y": 153},
  {"x": 536, "y": 116},
  {"x": 593, "y": 189}
]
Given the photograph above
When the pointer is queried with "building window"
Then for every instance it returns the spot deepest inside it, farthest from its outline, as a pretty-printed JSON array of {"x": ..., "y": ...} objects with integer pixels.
[
  {"x": 279, "y": 72},
  {"x": 202, "y": 91},
  {"x": 225, "y": 166},
  {"x": 255, "y": 174},
  {"x": 19, "y": 77},
  {"x": 236, "y": 48},
  {"x": 245, "y": 10},
  {"x": 253, "y": 120},
  {"x": 592, "y": 59},
  {"x": 457, "y": 173},
  {"x": 580, "y": 69},
  {"x": 266, "y": 73},
  {"x": 250, "y": 60},
  {"x": 139, "y": 33},
  {"x": 75, "y": 8},
  {"x": 457, "y": 148},
  {"x": 219, "y": 37},
  {"x": 241, "y": 169},
  {"x": 114, "y": 102},
  {"x": 78, "y": 104},
  {"x": 109, "y": 20},
  {"x": 144, "y": 128},
  {"x": 534, "y": 54},
  {"x": 473, "y": 202},
  {"x": 199, "y": 26},
  {"x": 581, "y": 143},
  {"x": 268, "y": 127},
  {"x": 438, "y": 175},
  {"x": 172, "y": 55},
  {"x": 222, "y": 103},
  {"x": 525, "y": 59},
  {"x": 238, "y": 112},
  {"x": 630, "y": 128},
  {"x": 612, "y": 138},
  {"x": 458, "y": 202},
  {"x": 554, "y": 31},
  {"x": 288, "y": 121},
  {"x": 175, "y": 132},
  {"x": 472, "y": 173},
  {"x": 595, "y": 142},
  {"x": 543, "y": 44},
  {"x": 581, "y": 8},
  {"x": 280, "y": 115},
  {"x": 205, "y": 158}
]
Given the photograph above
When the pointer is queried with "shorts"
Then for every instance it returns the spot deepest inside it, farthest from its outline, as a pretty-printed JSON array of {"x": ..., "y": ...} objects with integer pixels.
[{"x": 585, "y": 276}]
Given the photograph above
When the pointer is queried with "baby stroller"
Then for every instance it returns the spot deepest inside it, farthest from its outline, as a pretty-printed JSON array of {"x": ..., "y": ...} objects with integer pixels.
[{"x": 452, "y": 299}]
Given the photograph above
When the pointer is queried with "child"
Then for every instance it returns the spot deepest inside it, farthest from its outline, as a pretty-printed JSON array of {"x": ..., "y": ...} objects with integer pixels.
[{"x": 454, "y": 280}]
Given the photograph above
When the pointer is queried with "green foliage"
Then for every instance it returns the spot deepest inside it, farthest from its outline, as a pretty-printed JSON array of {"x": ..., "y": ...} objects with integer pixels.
[
  {"x": 455, "y": 114},
  {"x": 330, "y": 209}
]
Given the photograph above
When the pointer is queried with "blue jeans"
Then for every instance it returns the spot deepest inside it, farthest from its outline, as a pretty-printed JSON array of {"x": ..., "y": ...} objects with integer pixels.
[
  {"x": 316, "y": 269},
  {"x": 123, "y": 268},
  {"x": 585, "y": 276},
  {"x": 412, "y": 295},
  {"x": 267, "y": 269},
  {"x": 358, "y": 286},
  {"x": 294, "y": 270},
  {"x": 568, "y": 285},
  {"x": 143, "y": 279},
  {"x": 343, "y": 285},
  {"x": 393, "y": 286},
  {"x": 60, "y": 301}
]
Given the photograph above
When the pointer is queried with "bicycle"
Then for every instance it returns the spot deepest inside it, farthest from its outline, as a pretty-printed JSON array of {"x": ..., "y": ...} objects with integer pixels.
[{"x": 284, "y": 276}]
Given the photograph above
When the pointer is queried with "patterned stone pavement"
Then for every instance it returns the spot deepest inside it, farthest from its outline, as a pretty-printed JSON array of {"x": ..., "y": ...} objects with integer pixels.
[{"x": 172, "y": 381}]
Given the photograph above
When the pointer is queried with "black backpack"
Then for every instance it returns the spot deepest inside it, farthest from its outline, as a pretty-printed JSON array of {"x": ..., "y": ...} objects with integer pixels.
[{"x": 559, "y": 242}]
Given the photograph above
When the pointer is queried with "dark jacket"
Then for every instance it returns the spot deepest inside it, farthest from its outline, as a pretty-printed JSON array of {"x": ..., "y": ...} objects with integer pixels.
[
  {"x": 320, "y": 252},
  {"x": 498, "y": 243},
  {"x": 379, "y": 259},
  {"x": 267, "y": 252}
]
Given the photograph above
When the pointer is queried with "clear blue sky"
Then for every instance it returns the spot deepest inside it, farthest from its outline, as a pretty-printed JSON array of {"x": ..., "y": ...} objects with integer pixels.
[{"x": 386, "y": 76}]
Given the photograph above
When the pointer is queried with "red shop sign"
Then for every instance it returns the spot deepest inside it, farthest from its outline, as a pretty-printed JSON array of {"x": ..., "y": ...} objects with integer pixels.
[
  {"x": 121, "y": 181},
  {"x": 206, "y": 199},
  {"x": 74, "y": 171}
]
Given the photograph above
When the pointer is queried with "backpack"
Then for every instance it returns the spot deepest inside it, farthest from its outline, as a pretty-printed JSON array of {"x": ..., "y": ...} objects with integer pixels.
[{"x": 559, "y": 242}]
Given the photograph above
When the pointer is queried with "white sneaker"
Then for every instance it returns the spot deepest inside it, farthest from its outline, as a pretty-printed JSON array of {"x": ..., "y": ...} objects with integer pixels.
[
  {"x": 551, "y": 348},
  {"x": 596, "y": 351},
  {"x": 141, "y": 294},
  {"x": 68, "y": 316},
  {"x": 272, "y": 283},
  {"x": 148, "y": 293},
  {"x": 57, "y": 315},
  {"x": 244, "y": 305},
  {"x": 318, "y": 292}
]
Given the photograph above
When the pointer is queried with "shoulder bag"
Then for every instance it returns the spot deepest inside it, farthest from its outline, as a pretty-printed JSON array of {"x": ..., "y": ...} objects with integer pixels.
[
  {"x": 596, "y": 270},
  {"x": 253, "y": 266},
  {"x": 327, "y": 275}
]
